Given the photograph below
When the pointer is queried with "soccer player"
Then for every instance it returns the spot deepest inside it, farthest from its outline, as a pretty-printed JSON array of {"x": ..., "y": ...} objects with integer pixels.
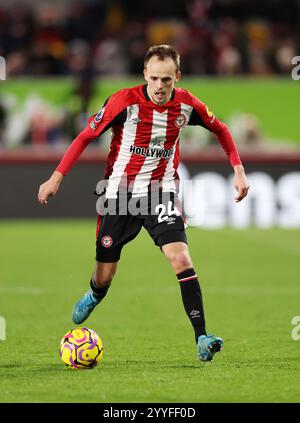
[{"x": 146, "y": 122}]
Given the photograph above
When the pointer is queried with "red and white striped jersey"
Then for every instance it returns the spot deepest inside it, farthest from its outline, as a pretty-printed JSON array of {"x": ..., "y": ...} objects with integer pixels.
[{"x": 145, "y": 138}]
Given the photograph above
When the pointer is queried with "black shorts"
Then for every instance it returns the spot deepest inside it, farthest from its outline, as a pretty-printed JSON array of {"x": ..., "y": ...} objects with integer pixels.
[{"x": 120, "y": 220}]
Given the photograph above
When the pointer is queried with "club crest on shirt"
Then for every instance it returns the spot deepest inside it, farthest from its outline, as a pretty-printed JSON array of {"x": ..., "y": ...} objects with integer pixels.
[
  {"x": 106, "y": 241},
  {"x": 180, "y": 121}
]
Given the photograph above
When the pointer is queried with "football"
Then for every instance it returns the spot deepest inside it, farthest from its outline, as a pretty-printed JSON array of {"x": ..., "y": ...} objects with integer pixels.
[{"x": 81, "y": 348}]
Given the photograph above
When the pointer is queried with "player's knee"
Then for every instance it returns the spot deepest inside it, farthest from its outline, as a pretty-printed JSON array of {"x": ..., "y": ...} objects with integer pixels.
[{"x": 180, "y": 261}]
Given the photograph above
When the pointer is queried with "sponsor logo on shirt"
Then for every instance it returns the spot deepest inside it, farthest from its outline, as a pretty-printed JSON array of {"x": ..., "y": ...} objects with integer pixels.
[
  {"x": 152, "y": 152},
  {"x": 158, "y": 141}
]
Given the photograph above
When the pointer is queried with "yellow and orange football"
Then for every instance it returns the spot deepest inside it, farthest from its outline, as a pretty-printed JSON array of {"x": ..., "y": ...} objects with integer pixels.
[{"x": 81, "y": 348}]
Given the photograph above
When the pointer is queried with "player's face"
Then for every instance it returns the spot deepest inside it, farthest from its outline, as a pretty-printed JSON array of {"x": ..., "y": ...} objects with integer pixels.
[{"x": 161, "y": 76}]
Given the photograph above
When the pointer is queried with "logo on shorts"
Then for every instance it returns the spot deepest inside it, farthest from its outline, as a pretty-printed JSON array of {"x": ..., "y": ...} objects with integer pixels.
[
  {"x": 106, "y": 241},
  {"x": 180, "y": 121}
]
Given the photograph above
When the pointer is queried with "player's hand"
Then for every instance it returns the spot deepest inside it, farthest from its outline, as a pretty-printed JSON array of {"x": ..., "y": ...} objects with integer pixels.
[
  {"x": 240, "y": 183},
  {"x": 50, "y": 187}
]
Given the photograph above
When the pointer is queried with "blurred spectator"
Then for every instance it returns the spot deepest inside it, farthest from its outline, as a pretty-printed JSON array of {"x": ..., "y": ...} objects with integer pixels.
[
  {"x": 259, "y": 47},
  {"x": 110, "y": 57},
  {"x": 284, "y": 54},
  {"x": 17, "y": 32},
  {"x": 246, "y": 130},
  {"x": 135, "y": 46},
  {"x": 81, "y": 66},
  {"x": 48, "y": 48},
  {"x": 43, "y": 128}
]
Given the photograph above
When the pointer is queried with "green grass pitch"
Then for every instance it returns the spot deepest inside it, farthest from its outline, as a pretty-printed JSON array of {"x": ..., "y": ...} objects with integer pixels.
[{"x": 250, "y": 283}]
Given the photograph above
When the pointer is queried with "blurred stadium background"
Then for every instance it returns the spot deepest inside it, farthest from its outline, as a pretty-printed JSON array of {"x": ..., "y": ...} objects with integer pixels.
[{"x": 63, "y": 59}]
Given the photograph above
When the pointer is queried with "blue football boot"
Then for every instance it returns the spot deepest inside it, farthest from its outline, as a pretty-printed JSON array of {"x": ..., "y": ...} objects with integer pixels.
[
  {"x": 84, "y": 307},
  {"x": 208, "y": 345}
]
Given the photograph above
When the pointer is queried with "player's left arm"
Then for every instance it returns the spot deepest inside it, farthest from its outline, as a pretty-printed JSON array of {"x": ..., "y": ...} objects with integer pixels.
[
  {"x": 203, "y": 116},
  {"x": 240, "y": 182}
]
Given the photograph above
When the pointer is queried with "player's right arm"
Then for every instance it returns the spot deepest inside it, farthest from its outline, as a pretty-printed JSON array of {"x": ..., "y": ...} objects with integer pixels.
[
  {"x": 111, "y": 112},
  {"x": 51, "y": 186}
]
